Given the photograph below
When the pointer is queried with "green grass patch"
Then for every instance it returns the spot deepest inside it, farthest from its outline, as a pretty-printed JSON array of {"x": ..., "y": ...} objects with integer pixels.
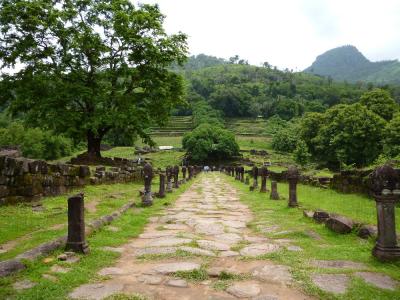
[
  {"x": 28, "y": 229},
  {"x": 194, "y": 275}
]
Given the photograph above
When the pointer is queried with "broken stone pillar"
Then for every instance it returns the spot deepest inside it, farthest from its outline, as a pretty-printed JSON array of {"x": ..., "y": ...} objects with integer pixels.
[
  {"x": 161, "y": 191},
  {"x": 385, "y": 184},
  {"x": 293, "y": 178},
  {"x": 264, "y": 176},
  {"x": 169, "y": 179},
  {"x": 76, "y": 240},
  {"x": 147, "y": 199},
  {"x": 176, "y": 176},
  {"x": 274, "y": 191},
  {"x": 183, "y": 174}
]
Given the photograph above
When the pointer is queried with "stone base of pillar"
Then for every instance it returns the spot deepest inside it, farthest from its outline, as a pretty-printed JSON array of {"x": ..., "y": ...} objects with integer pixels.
[
  {"x": 293, "y": 204},
  {"x": 386, "y": 253},
  {"x": 77, "y": 247},
  {"x": 169, "y": 187},
  {"x": 274, "y": 196},
  {"x": 263, "y": 190},
  {"x": 147, "y": 199}
]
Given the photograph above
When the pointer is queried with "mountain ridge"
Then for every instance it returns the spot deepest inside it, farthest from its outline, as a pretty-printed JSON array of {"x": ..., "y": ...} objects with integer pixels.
[{"x": 347, "y": 63}]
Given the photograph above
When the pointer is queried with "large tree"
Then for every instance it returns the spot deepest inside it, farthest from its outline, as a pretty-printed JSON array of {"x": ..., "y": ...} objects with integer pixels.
[{"x": 87, "y": 66}]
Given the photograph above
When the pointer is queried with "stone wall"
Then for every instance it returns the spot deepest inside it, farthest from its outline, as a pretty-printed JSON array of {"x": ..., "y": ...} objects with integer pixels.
[
  {"x": 354, "y": 181},
  {"x": 26, "y": 180},
  {"x": 322, "y": 182}
]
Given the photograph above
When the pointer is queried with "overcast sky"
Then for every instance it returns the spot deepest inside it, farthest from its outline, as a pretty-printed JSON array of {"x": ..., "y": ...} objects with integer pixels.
[{"x": 286, "y": 33}]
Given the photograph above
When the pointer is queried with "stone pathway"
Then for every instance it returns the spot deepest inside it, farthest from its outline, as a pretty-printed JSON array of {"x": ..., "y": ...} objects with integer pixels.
[{"x": 203, "y": 236}]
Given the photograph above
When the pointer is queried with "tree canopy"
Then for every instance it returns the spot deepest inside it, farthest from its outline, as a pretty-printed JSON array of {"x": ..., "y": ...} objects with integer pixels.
[
  {"x": 207, "y": 142},
  {"x": 88, "y": 67},
  {"x": 380, "y": 102}
]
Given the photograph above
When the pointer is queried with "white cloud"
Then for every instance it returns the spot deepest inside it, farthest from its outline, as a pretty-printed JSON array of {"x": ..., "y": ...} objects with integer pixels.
[{"x": 286, "y": 33}]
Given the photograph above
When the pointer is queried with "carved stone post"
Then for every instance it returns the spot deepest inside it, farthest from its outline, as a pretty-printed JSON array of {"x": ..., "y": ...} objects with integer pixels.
[
  {"x": 264, "y": 176},
  {"x": 385, "y": 181},
  {"x": 176, "y": 176},
  {"x": 76, "y": 240},
  {"x": 255, "y": 179},
  {"x": 274, "y": 191},
  {"x": 161, "y": 191},
  {"x": 147, "y": 199},
  {"x": 183, "y": 174},
  {"x": 169, "y": 179},
  {"x": 293, "y": 177}
]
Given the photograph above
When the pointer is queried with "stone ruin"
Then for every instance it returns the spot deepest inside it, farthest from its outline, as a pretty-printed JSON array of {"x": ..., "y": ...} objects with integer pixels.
[{"x": 27, "y": 180}]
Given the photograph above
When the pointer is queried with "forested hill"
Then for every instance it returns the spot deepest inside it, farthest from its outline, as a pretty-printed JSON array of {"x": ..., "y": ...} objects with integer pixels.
[{"x": 347, "y": 63}]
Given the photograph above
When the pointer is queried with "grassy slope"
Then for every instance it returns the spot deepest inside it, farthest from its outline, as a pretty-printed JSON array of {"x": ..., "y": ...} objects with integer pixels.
[
  {"x": 131, "y": 224},
  {"x": 37, "y": 227},
  {"x": 332, "y": 246}
]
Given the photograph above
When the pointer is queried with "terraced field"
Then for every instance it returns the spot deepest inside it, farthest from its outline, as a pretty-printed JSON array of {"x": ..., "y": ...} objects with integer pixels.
[
  {"x": 175, "y": 127},
  {"x": 247, "y": 126}
]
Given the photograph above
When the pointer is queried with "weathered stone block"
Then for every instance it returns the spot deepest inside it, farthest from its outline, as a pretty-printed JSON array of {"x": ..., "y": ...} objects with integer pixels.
[
  {"x": 339, "y": 224},
  {"x": 321, "y": 216},
  {"x": 366, "y": 231},
  {"x": 84, "y": 171},
  {"x": 100, "y": 169},
  {"x": 3, "y": 191}
]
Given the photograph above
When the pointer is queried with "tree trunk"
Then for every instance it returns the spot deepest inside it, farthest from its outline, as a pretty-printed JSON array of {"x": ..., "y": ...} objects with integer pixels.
[{"x": 94, "y": 142}]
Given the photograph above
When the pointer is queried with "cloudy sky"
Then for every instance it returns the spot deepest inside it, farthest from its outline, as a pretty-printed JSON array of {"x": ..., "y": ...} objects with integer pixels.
[{"x": 286, "y": 33}]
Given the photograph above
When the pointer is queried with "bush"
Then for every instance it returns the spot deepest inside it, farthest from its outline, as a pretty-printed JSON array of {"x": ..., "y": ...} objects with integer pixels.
[
  {"x": 34, "y": 142},
  {"x": 208, "y": 142},
  {"x": 285, "y": 139}
]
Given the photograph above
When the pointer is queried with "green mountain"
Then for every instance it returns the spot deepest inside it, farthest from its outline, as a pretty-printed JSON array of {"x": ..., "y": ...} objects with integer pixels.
[{"x": 347, "y": 63}]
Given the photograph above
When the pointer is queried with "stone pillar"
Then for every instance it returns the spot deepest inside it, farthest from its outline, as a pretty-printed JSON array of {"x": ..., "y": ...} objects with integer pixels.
[
  {"x": 76, "y": 240},
  {"x": 264, "y": 176},
  {"x": 293, "y": 177},
  {"x": 169, "y": 179},
  {"x": 161, "y": 191},
  {"x": 183, "y": 174},
  {"x": 247, "y": 179},
  {"x": 190, "y": 172},
  {"x": 274, "y": 191},
  {"x": 147, "y": 199},
  {"x": 242, "y": 174},
  {"x": 385, "y": 184},
  {"x": 255, "y": 179},
  {"x": 176, "y": 177}
]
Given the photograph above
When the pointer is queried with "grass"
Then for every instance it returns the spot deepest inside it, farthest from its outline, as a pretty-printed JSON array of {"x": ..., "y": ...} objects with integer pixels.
[
  {"x": 332, "y": 246},
  {"x": 131, "y": 224},
  {"x": 195, "y": 275},
  {"x": 357, "y": 207},
  {"x": 33, "y": 228},
  {"x": 254, "y": 142}
]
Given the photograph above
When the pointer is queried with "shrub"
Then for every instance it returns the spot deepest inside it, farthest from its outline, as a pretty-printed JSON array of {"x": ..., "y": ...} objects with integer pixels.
[
  {"x": 208, "y": 142},
  {"x": 34, "y": 142}
]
